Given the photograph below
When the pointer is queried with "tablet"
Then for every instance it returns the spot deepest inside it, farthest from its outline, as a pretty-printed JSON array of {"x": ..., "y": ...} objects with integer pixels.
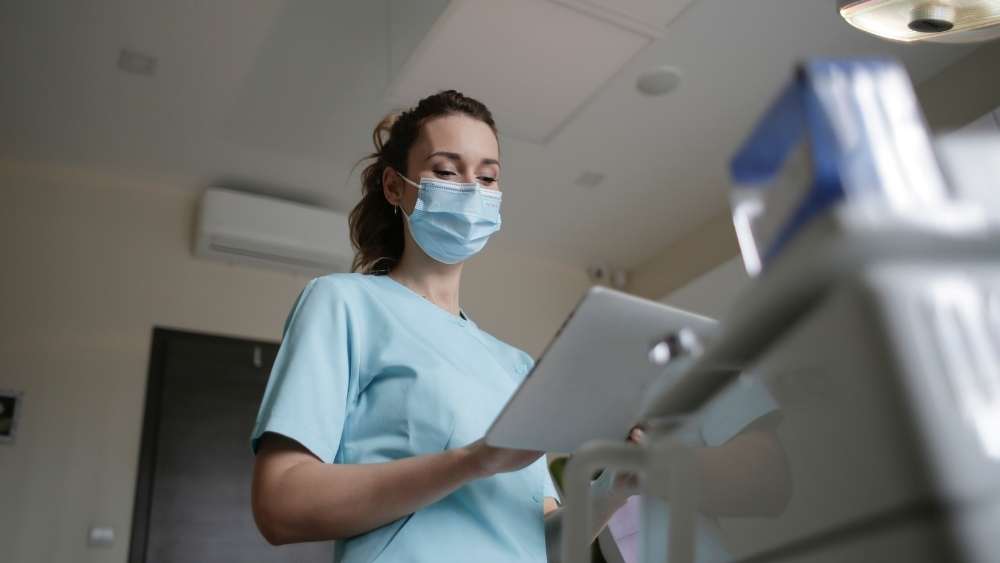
[{"x": 589, "y": 382}]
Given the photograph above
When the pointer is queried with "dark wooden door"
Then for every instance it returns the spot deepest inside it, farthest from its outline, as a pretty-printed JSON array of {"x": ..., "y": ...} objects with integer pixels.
[{"x": 193, "y": 490}]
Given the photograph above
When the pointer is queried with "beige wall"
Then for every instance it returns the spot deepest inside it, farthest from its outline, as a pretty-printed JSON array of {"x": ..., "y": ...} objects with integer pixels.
[
  {"x": 90, "y": 265},
  {"x": 964, "y": 91},
  {"x": 687, "y": 258}
]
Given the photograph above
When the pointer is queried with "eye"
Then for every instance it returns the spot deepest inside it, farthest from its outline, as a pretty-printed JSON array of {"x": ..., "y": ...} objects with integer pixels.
[
  {"x": 445, "y": 173},
  {"x": 487, "y": 180}
]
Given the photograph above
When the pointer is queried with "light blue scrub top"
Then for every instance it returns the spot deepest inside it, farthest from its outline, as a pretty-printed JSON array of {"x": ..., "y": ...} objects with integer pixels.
[{"x": 368, "y": 372}]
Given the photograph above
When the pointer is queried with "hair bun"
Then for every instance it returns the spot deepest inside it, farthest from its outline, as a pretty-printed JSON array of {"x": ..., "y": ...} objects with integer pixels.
[{"x": 383, "y": 131}]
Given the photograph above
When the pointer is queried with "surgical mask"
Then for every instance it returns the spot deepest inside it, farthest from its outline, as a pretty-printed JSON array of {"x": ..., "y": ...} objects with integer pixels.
[{"x": 452, "y": 221}]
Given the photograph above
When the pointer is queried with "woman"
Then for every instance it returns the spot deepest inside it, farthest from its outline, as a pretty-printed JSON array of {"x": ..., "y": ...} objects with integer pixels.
[{"x": 370, "y": 427}]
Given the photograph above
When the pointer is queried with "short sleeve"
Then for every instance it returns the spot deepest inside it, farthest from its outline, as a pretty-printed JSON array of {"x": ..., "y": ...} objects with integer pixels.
[
  {"x": 743, "y": 402},
  {"x": 525, "y": 364},
  {"x": 307, "y": 393},
  {"x": 549, "y": 487}
]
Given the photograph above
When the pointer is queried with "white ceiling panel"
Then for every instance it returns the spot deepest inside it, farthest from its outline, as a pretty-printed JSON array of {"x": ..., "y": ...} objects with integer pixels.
[
  {"x": 536, "y": 62},
  {"x": 650, "y": 16}
]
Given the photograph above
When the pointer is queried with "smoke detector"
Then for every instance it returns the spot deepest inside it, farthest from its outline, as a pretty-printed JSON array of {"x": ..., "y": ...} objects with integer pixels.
[
  {"x": 659, "y": 81},
  {"x": 940, "y": 21}
]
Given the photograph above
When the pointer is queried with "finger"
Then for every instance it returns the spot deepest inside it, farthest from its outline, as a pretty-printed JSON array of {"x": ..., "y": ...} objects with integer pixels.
[
  {"x": 636, "y": 435},
  {"x": 625, "y": 483}
]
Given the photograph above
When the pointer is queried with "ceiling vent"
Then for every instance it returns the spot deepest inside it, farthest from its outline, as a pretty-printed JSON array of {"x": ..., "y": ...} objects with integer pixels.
[
  {"x": 242, "y": 228},
  {"x": 590, "y": 179},
  {"x": 535, "y": 63},
  {"x": 134, "y": 62}
]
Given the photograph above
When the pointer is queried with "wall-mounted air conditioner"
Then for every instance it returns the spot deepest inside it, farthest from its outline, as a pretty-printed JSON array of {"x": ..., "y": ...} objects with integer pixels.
[{"x": 262, "y": 231}]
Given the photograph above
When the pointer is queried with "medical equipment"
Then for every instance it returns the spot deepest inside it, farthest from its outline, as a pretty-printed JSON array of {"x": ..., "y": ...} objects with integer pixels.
[
  {"x": 875, "y": 330},
  {"x": 590, "y": 380},
  {"x": 845, "y": 149}
]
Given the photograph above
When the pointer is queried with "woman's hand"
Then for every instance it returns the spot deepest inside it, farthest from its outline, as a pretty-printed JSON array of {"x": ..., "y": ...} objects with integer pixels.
[
  {"x": 489, "y": 460},
  {"x": 625, "y": 483}
]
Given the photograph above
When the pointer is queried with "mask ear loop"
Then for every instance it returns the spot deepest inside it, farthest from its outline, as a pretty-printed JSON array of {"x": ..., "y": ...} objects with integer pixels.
[
  {"x": 408, "y": 181},
  {"x": 405, "y": 179}
]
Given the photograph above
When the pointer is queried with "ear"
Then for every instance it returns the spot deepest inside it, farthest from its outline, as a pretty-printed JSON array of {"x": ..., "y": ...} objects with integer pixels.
[{"x": 392, "y": 187}]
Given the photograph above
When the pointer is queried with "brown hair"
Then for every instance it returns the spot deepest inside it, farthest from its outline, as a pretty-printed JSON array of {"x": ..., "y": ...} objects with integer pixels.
[{"x": 376, "y": 228}]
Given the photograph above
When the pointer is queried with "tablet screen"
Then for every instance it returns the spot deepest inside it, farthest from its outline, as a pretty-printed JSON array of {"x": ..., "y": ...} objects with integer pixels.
[{"x": 624, "y": 527}]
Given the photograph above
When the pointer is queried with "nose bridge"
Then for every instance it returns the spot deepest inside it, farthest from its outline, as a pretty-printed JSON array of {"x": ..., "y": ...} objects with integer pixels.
[
  {"x": 466, "y": 169},
  {"x": 467, "y": 174}
]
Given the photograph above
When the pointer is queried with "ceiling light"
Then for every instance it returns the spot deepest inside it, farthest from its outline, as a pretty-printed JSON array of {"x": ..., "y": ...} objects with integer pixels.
[
  {"x": 659, "y": 81},
  {"x": 942, "y": 21}
]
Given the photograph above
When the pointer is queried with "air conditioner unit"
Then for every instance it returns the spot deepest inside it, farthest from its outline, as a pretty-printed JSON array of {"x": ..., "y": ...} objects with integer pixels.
[{"x": 263, "y": 231}]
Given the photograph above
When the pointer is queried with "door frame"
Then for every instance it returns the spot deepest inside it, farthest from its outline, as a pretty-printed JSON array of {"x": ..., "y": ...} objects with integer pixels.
[{"x": 146, "y": 472}]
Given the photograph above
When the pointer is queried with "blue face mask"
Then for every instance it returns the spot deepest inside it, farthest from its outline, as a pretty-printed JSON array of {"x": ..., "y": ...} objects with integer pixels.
[{"x": 451, "y": 221}]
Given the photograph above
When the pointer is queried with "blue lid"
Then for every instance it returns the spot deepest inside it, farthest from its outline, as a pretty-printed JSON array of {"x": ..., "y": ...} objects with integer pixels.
[{"x": 824, "y": 106}]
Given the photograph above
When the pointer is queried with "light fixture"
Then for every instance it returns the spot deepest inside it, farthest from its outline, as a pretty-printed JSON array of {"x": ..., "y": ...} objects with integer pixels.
[
  {"x": 941, "y": 21},
  {"x": 658, "y": 81}
]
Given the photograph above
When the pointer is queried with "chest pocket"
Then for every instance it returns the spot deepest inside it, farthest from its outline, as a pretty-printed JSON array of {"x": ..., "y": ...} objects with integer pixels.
[
  {"x": 477, "y": 402},
  {"x": 539, "y": 476},
  {"x": 403, "y": 412}
]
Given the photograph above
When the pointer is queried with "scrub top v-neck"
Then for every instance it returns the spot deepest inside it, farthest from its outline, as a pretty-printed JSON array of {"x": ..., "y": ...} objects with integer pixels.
[{"x": 369, "y": 371}]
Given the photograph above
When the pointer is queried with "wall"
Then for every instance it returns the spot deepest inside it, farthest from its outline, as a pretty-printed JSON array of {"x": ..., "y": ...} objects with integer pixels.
[
  {"x": 987, "y": 123},
  {"x": 714, "y": 292},
  {"x": 964, "y": 91},
  {"x": 689, "y": 257},
  {"x": 90, "y": 265}
]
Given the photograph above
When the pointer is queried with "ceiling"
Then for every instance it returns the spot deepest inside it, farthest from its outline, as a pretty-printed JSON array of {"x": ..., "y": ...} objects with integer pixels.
[{"x": 281, "y": 96}]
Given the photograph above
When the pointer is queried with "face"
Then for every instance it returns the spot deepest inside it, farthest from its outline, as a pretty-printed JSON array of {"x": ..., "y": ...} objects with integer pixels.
[{"x": 456, "y": 148}]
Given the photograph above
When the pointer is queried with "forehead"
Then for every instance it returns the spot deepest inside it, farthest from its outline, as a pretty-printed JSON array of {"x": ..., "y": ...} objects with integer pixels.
[{"x": 469, "y": 137}]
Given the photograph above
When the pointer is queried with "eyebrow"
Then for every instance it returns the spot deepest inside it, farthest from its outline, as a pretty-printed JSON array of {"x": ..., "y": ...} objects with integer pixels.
[{"x": 457, "y": 157}]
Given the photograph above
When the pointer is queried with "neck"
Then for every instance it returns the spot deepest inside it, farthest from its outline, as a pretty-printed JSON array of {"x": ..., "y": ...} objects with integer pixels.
[{"x": 438, "y": 283}]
